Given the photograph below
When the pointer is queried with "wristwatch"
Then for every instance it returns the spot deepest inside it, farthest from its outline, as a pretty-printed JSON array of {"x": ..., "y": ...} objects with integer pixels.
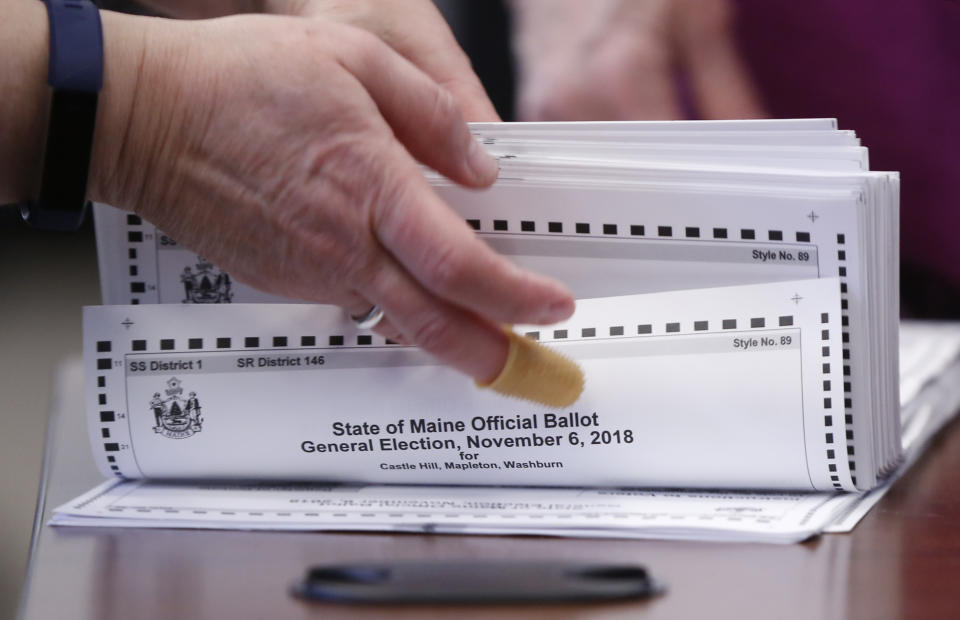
[{"x": 75, "y": 76}]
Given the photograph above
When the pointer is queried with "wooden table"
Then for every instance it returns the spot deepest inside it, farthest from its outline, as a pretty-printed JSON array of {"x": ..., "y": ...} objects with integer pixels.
[{"x": 902, "y": 561}]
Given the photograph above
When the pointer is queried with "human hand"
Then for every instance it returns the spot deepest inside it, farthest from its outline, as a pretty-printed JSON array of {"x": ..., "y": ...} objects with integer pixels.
[
  {"x": 416, "y": 30},
  {"x": 283, "y": 149},
  {"x": 618, "y": 60},
  {"x": 413, "y": 28}
]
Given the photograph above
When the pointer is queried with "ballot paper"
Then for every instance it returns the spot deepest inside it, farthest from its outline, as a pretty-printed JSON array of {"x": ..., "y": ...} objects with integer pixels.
[
  {"x": 141, "y": 264},
  {"x": 737, "y": 322},
  {"x": 621, "y": 513},
  {"x": 614, "y": 255},
  {"x": 600, "y": 207},
  {"x": 809, "y": 144},
  {"x": 718, "y": 388},
  {"x": 930, "y": 353}
]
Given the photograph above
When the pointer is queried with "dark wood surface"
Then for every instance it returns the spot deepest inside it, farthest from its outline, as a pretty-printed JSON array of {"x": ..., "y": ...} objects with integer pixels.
[{"x": 902, "y": 560}]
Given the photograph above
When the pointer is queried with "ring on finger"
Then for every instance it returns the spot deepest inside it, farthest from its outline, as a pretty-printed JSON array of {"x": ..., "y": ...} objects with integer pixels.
[{"x": 368, "y": 320}]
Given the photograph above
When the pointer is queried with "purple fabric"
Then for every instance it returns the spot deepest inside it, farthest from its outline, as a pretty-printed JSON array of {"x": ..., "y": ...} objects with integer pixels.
[{"x": 888, "y": 69}]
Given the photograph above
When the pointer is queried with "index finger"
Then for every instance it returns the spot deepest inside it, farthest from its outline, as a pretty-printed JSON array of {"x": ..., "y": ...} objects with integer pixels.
[
  {"x": 438, "y": 248},
  {"x": 424, "y": 116}
]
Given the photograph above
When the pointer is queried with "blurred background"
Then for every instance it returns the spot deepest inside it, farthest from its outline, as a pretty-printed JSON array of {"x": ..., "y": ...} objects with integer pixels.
[
  {"x": 46, "y": 278},
  {"x": 888, "y": 71}
]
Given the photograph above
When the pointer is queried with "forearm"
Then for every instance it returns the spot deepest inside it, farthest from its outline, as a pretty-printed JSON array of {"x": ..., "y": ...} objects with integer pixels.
[
  {"x": 23, "y": 108},
  {"x": 131, "y": 110}
]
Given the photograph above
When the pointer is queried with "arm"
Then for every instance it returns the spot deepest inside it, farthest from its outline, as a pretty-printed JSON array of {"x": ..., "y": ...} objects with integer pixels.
[
  {"x": 284, "y": 149},
  {"x": 24, "y": 108},
  {"x": 23, "y": 74}
]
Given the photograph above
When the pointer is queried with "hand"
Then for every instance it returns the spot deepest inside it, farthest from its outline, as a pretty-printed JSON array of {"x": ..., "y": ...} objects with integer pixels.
[
  {"x": 416, "y": 30},
  {"x": 413, "y": 28},
  {"x": 283, "y": 149},
  {"x": 617, "y": 60}
]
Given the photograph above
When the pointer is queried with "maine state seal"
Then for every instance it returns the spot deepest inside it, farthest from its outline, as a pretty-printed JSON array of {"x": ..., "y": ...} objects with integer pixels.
[
  {"x": 207, "y": 285},
  {"x": 176, "y": 417}
]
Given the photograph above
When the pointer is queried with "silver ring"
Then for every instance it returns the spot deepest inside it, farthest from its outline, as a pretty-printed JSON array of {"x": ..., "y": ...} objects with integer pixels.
[{"x": 370, "y": 319}]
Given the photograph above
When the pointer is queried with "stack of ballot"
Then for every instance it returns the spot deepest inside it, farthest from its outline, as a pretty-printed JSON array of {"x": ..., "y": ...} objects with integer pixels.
[
  {"x": 929, "y": 375},
  {"x": 737, "y": 325}
]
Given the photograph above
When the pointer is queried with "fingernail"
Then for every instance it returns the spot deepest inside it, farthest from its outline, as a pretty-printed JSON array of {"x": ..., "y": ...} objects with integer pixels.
[
  {"x": 484, "y": 166},
  {"x": 558, "y": 311}
]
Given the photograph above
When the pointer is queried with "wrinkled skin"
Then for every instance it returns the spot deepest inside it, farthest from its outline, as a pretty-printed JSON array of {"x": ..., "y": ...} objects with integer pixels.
[
  {"x": 284, "y": 148},
  {"x": 415, "y": 30}
]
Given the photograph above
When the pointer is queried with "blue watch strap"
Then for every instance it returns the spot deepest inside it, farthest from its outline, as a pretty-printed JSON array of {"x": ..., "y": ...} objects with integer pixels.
[{"x": 76, "y": 76}]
